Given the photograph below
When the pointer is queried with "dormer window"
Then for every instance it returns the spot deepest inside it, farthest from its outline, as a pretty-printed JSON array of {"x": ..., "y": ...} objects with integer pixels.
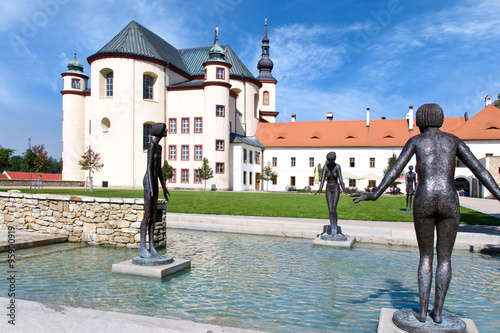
[
  {"x": 75, "y": 83},
  {"x": 221, "y": 73}
]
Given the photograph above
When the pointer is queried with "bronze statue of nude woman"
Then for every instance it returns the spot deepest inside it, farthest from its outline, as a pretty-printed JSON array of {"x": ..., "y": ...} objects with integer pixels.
[
  {"x": 436, "y": 204},
  {"x": 150, "y": 257},
  {"x": 333, "y": 176}
]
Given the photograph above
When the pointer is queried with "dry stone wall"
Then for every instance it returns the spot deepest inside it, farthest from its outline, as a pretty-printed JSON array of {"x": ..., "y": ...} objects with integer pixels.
[{"x": 106, "y": 221}]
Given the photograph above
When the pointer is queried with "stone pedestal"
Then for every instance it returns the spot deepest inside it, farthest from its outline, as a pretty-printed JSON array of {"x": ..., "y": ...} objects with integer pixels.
[
  {"x": 386, "y": 324},
  {"x": 126, "y": 267},
  {"x": 347, "y": 243}
]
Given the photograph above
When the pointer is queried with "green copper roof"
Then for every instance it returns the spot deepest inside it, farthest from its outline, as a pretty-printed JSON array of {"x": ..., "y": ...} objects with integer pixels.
[
  {"x": 75, "y": 66},
  {"x": 196, "y": 56},
  {"x": 136, "y": 39}
]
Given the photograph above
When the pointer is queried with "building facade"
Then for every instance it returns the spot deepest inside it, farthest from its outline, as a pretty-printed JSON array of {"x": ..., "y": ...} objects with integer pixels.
[{"x": 215, "y": 108}]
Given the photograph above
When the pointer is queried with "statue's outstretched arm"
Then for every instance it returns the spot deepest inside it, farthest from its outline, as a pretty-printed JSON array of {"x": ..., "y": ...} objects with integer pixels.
[
  {"x": 393, "y": 173},
  {"x": 466, "y": 156}
]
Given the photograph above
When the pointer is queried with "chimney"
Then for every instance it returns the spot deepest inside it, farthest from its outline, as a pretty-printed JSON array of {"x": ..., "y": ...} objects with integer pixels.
[
  {"x": 409, "y": 116},
  {"x": 487, "y": 100},
  {"x": 329, "y": 116},
  {"x": 367, "y": 117},
  {"x": 294, "y": 117},
  {"x": 466, "y": 116}
]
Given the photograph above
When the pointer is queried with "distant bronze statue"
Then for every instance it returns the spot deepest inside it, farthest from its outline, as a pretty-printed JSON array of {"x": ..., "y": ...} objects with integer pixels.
[
  {"x": 411, "y": 184},
  {"x": 436, "y": 205},
  {"x": 333, "y": 176},
  {"x": 153, "y": 175}
]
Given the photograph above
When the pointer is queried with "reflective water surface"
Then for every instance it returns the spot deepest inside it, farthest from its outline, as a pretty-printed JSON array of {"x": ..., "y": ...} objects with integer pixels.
[{"x": 268, "y": 283}]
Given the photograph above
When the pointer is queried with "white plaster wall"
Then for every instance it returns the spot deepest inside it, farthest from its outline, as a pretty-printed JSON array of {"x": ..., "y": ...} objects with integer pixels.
[
  {"x": 239, "y": 166},
  {"x": 73, "y": 107}
]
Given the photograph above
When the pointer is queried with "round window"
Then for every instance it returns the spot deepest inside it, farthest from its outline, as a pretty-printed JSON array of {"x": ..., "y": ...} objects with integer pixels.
[{"x": 105, "y": 124}]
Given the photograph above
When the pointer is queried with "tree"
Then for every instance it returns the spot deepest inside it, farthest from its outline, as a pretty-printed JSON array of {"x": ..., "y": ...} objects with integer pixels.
[
  {"x": 5, "y": 158},
  {"x": 497, "y": 102},
  {"x": 167, "y": 170},
  {"x": 205, "y": 172},
  {"x": 90, "y": 161},
  {"x": 390, "y": 162},
  {"x": 41, "y": 159},
  {"x": 268, "y": 174}
]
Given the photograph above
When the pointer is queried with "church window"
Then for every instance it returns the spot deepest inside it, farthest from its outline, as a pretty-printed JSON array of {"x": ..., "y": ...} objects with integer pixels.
[
  {"x": 109, "y": 84},
  {"x": 148, "y": 83},
  {"x": 220, "y": 73},
  {"x": 265, "y": 98},
  {"x": 184, "y": 176},
  {"x": 198, "y": 153},
  {"x": 198, "y": 122},
  {"x": 219, "y": 167},
  {"x": 220, "y": 110},
  {"x": 185, "y": 153},
  {"x": 372, "y": 162},
  {"x": 146, "y": 135},
  {"x": 185, "y": 125},
  {"x": 219, "y": 145},
  {"x": 75, "y": 83},
  {"x": 173, "y": 126},
  {"x": 205, "y": 73},
  {"x": 172, "y": 153}
]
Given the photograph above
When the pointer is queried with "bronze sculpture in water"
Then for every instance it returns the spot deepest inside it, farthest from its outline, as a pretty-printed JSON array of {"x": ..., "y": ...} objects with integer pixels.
[
  {"x": 333, "y": 176},
  {"x": 411, "y": 184},
  {"x": 436, "y": 204},
  {"x": 152, "y": 179}
]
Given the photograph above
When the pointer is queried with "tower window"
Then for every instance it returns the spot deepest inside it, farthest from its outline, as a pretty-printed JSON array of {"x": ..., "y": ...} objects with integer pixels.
[
  {"x": 148, "y": 83},
  {"x": 220, "y": 73},
  {"x": 75, "y": 83},
  {"x": 109, "y": 84},
  {"x": 219, "y": 145},
  {"x": 220, "y": 110},
  {"x": 146, "y": 136},
  {"x": 265, "y": 100}
]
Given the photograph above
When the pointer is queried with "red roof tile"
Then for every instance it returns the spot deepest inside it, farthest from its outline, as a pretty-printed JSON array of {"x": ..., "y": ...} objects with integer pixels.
[
  {"x": 16, "y": 175},
  {"x": 381, "y": 133}
]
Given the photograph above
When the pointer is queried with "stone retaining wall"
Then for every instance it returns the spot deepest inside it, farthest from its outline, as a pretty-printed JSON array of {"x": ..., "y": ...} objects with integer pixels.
[{"x": 106, "y": 221}]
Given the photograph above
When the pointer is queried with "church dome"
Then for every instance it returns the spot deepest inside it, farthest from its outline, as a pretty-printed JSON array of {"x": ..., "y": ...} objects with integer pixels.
[{"x": 75, "y": 66}]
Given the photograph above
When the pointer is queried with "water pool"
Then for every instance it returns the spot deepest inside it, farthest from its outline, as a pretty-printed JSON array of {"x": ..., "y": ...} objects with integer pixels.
[{"x": 267, "y": 283}]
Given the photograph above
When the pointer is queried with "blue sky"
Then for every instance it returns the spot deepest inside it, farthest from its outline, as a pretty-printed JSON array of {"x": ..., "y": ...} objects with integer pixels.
[{"x": 329, "y": 56}]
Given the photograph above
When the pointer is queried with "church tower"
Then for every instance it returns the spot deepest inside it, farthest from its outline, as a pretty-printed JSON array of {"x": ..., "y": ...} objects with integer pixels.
[
  {"x": 216, "y": 120},
  {"x": 73, "y": 107},
  {"x": 267, "y": 100}
]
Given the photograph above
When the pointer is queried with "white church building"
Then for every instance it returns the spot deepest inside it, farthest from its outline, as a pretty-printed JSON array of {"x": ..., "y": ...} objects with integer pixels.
[{"x": 214, "y": 107}]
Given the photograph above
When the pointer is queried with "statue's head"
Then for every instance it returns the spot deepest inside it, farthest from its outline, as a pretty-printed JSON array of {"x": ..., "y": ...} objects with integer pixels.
[
  {"x": 430, "y": 115},
  {"x": 410, "y": 167},
  {"x": 159, "y": 129},
  {"x": 331, "y": 156}
]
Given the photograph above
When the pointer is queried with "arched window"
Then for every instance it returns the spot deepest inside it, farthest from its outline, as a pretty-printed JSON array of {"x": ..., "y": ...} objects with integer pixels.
[
  {"x": 148, "y": 83},
  {"x": 265, "y": 100},
  {"x": 146, "y": 135},
  {"x": 109, "y": 84}
]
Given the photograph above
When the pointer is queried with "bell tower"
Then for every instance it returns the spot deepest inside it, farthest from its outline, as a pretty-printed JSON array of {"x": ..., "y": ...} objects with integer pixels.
[
  {"x": 73, "y": 125},
  {"x": 267, "y": 94}
]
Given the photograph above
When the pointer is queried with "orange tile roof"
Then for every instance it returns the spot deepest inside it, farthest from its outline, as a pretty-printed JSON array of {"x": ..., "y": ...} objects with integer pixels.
[
  {"x": 16, "y": 175},
  {"x": 381, "y": 132}
]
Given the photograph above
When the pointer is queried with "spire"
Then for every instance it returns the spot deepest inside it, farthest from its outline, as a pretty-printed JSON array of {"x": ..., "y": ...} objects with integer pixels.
[
  {"x": 265, "y": 65},
  {"x": 217, "y": 53},
  {"x": 75, "y": 66}
]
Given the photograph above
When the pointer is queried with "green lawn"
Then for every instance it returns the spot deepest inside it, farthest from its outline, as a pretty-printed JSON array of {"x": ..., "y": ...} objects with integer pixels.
[{"x": 386, "y": 208}]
